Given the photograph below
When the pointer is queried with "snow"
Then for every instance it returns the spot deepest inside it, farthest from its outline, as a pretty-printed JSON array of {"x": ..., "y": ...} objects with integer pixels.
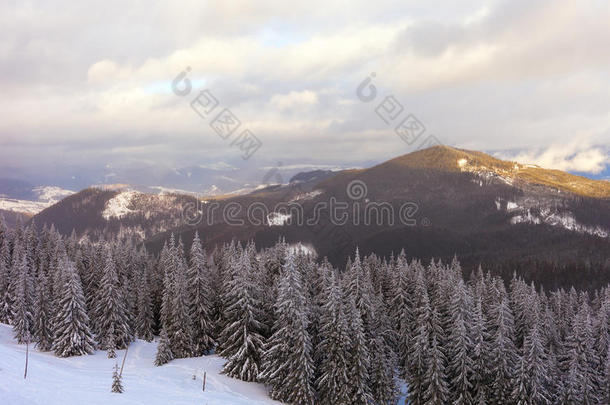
[
  {"x": 306, "y": 196},
  {"x": 26, "y": 206},
  {"x": 47, "y": 196},
  {"x": 511, "y": 205},
  {"x": 87, "y": 379},
  {"x": 118, "y": 206},
  {"x": 51, "y": 194},
  {"x": 277, "y": 218},
  {"x": 301, "y": 248},
  {"x": 166, "y": 190},
  {"x": 559, "y": 219},
  {"x": 462, "y": 162},
  {"x": 212, "y": 191}
]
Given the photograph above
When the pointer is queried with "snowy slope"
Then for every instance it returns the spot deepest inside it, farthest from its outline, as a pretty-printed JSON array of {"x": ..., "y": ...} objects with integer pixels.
[
  {"x": 87, "y": 379},
  {"x": 47, "y": 196}
]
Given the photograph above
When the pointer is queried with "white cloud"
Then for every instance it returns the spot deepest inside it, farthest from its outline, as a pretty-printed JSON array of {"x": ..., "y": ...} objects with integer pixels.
[
  {"x": 507, "y": 74},
  {"x": 294, "y": 99},
  {"x": 576, "y": 156}
]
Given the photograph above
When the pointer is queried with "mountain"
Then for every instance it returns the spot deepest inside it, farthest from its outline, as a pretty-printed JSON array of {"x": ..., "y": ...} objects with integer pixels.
[
  {"x": 20, "y": 199},
  {"x": 438, "y": 202}
]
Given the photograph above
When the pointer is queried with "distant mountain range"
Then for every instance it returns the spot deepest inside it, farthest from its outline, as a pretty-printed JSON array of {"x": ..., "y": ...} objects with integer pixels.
[{"x": 506, "y": 215}]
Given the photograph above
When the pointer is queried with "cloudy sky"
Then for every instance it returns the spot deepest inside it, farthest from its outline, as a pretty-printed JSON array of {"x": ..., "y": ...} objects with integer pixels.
[{"x": 87, "y": 86}]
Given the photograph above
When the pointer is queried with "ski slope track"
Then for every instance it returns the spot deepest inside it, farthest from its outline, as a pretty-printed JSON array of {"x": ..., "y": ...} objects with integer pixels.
[{"x": 87, "y": 379}]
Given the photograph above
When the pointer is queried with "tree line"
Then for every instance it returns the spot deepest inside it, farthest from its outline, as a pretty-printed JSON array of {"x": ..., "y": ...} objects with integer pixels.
[{"x": 312, "y": 333}]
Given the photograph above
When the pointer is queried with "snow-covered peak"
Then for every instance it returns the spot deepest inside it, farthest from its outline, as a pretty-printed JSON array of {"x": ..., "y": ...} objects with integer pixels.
[
  {"x": 118, "y": 206},
  {"x": 51, "y": 194}
]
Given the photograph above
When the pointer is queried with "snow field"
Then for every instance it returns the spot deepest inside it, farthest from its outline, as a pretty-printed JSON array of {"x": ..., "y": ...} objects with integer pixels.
[{"x": 87, "y": 379}]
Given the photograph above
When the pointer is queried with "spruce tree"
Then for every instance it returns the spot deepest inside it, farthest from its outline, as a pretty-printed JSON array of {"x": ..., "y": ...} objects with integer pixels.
[
  {"x": 72, "y": 336},
  {"x": 145, "y": 318},
  {"x": 358, "y": 356},
  {"x": 42, "y": 313},
  {"x": 200, "y": 299},
  {"x": 481, "y": 356},
  {"x": 581, "y": 376},
  {"x": 333, "y": 383},
  {"x": 242, "y": 338},
  {"x": 179, "y": 327},
  {"x": 287, "y": 365},
  {"x": 459, "y": 346},
  {"x": 5, "y": 283},
  {"x": 23, "y": 307},
  {"x": 503, "y": 352},
  {"x": 117, "y": 386},
  {"x": 382, "y": 357},
  {"x": 531, "y": 385},
  {"x": 113, "y": 320},
  {"x": 164, "y": 351}
]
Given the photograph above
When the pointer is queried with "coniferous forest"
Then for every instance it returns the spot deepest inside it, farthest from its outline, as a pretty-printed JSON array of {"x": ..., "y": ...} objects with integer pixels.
[{"x": 312, "y": 333}]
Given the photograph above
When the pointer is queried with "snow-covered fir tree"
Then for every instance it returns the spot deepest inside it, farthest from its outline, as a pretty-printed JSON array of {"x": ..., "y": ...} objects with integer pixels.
[
  {"x": 117, "y": 385},
  {"x": 337, "y": 337},
  {"x": 5, "y": 282},
  {"x": 23, "y": 318},
  {"x": 164, "y": 350},
  {"x": 333, "y": 384},
  {"x": 200, "y": 298},
  {"x": 144, "y": 322},
  {"x": 112, "y": 315},
  {"x": 242, "y": 337},
  {"x": 287, "y": 364},
  {"x": 72, "y": 336},
  {"x": 358, "y": 356},
  {"x": 43, "y": 331}
]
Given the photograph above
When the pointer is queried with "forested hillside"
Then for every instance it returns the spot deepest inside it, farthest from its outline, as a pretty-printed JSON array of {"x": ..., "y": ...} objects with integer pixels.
[{"x": 312, "y": 333}]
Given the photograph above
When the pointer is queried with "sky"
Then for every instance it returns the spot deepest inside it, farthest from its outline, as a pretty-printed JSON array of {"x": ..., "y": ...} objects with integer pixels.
[{"x": 88, "y": 86}]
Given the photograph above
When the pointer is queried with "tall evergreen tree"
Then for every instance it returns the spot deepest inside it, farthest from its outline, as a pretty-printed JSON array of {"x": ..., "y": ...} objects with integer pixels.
[
  {"x": 581, "y": 377},
  {"x": 333, "y": 383},
  {"x": 242, "y": 338},
  {"x": 145, "y": 318},
  {"x": 358, "y": 356},
  {"x": 164, "y": 350},
  {"x": 481, "y": 355},
  {"x": 113, "y": 320},
  {"x": 72, "y": 333},
  {"x": 5, "y": 283},
  {"x": 531, "y": 385},
  {"x": 179, "y": 327},
  {"x": 459, "y": 346},
  {"x": 287, "y": 365},
  {"x": 23, "y": 319},
  {"x": 200, "y": 299},
  {"x": 42, "y": 313},
  {"x": 383, "y": 359},
  {"x": 504, "y": 353}
]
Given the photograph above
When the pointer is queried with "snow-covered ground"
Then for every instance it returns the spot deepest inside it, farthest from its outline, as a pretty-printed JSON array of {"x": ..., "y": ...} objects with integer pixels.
[
  {"x": 87, "y": 379},
  {"x": 52, "y": 194},
  {"x": 25, "y": 206},
  {"x": 118, "y": 206},
  {"x": 277, "y": 218},
  {"x": 47, "y": 196}
]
